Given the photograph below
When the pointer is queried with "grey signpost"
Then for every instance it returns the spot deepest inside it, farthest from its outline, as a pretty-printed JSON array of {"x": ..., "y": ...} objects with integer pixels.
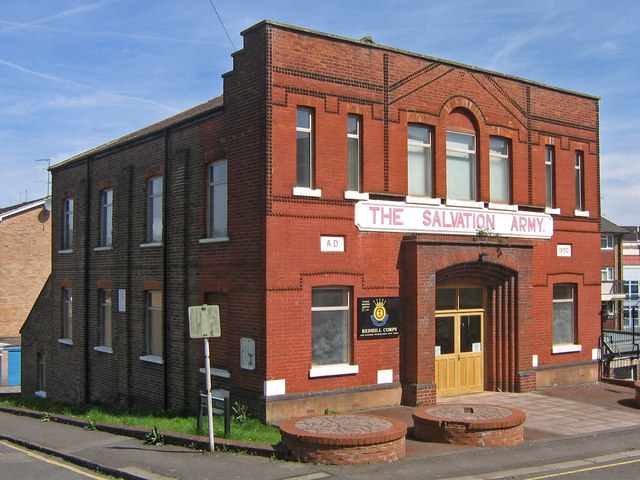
[{"x": 204, "y": 322}]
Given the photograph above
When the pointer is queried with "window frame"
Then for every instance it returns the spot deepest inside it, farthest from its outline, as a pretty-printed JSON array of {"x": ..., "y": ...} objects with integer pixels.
[
  {"x": 550, "y": 165},
  {"x": 426, "y": 189},
  {"x": 106, "y": 217},
  {"x": 41, "y": 373},
  {"x": 354, "y": 153},
  {"x": 304, "y": 154},
  {"x": 345, "y": 310},
  {"x": 579, "y": 181},
  {"x": 154, "y": 322},
  {"x": 606, "y": 274},
  {"x": 473, "y": 166},
  {"x": 67, "y": 314},
  {"x": 67, "y": 225},
  {"x": 106, "y": 318},
  {"x": 153, "y": 236},
  {"x": 563, "y": 345},
  {"x": 213, "y": 186},
  {"x": 607, "y": 240},
  {"x": 503, "y": 158}
]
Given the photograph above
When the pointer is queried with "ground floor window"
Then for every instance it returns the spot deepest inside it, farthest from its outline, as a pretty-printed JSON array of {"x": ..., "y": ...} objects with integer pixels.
[
  {"x": 564, "y": 313},
  {"x": 330, "y": 325},
  {"x": 42, "y": 386},
  {"x": 154, "y": 324}
]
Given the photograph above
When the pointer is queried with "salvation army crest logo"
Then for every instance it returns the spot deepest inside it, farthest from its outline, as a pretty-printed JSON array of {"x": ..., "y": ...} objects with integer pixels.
[{"x": 380, "y": 315}]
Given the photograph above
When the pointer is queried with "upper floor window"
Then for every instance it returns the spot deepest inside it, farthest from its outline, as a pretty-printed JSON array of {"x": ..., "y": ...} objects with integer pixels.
[
  {"x": 419, "y": 164},
  {"x": 631, "y": 289},
  {"x": 499, "y": 169},
  {"x": 217, "y": 200},
  {"x": 154, "y": 328},
  {"x": 106, "y": 218},
  {"x": 354, "y": 152},
  {"x": 154, "y": 210},
  {"x": 67, "y": 313},
  {"x": 105, "y": 317},
  {"x": 304, "y": 134},
  {"x": 606, "y": 242},
  {"x": 606, "y": 274},
  {"x": 549, "y": 166},
  {"x": 67, "y": 226},
  {"x": 579, "y": 167},
  {"x": 461, "y": 166},
  {"x": 564, "y": 313},
  {"x": 330, "y": 325}
]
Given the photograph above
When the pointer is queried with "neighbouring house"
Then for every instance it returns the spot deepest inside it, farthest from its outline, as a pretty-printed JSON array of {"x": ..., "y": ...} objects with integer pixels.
[
  {"x": 376, "y": 226},
  {"x": 25, "y": 265},
  {"x": 611, "y": 274}
]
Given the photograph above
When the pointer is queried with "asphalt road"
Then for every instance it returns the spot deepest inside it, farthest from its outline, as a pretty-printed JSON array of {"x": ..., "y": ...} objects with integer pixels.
[{"x": 22, "y": 464}]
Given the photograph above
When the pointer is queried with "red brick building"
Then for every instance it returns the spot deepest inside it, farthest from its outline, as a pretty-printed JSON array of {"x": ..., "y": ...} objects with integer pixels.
[{"x": 377, "y": 226}]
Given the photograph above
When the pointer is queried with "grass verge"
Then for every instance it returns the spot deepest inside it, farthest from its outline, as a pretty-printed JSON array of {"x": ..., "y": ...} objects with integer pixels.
[{"x": 243, "y": 428}]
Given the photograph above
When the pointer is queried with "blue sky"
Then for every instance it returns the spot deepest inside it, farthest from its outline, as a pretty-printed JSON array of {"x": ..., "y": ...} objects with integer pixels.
[{"x": 76, "y": 74}]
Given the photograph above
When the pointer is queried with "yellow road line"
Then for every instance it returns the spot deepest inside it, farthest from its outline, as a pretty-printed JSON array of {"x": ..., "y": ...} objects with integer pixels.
[
  {"x": 586, "y": 469},
  {"x": 53, "y": 462}
]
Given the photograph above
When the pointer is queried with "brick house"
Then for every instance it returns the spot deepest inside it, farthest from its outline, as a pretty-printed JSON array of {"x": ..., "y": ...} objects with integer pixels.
[
  {"x": 611, "y": 273},
  {"x": 376, "y": 226}
]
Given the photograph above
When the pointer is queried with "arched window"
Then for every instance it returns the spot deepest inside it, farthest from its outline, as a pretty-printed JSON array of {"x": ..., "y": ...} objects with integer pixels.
[{"x": 461, "y": 157}]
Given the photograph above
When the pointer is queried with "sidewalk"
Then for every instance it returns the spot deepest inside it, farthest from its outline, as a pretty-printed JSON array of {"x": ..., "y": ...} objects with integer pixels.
[{"x": 575, "y": 413}]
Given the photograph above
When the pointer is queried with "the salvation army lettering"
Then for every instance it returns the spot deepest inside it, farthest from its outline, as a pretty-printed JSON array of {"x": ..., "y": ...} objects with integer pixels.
[
  {"x": 378, "y": 317},
  {"x": 379, "y": 216}
]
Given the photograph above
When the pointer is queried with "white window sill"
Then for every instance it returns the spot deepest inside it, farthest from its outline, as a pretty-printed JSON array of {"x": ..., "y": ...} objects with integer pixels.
[
  {"x": 41, "y": 394},
  {"x": 151, "y": 244},
  {"x": 353, "y": 195},
  {"x": 307, "y": 192},
  {"x": 568, "y": 348},
  {"x": 103, "y": 349},
  {"x": 66, "y": 250},
  {"x": 581, "y": 213},
  {"x": 503, "y": 206},
  {"x": 217, "y": 372},
  {"x": 333, "y": 370},
  {"x": 152, "y": 359},
  {"x": 102, "y": 249},
  {"x": 423, "y": 200},
  {"x": 463, "y": 203},
  {"x": 214, "y": 240},
  {"x": 65, "y": 341},
  {"x": 552, "y": 211}
]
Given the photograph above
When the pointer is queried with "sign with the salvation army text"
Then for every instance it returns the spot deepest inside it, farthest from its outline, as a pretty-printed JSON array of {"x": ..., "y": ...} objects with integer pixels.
[{"x": 381, "y": 216}]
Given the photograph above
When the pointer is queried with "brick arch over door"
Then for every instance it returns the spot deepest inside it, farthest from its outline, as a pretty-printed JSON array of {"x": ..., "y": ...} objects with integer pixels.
[{"x": 501, "y": 317}]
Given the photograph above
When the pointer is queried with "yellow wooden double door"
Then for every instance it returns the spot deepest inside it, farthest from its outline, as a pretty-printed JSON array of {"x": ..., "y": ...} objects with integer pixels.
[{"x": 459, "y": 359}]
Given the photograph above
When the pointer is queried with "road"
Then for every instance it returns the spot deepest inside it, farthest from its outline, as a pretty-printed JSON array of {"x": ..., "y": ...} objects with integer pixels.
[{"x": 22, "y": 464}]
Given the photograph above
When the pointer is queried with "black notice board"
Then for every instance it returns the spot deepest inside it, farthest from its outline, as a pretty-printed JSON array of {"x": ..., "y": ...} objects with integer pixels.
[{"x": 378, "y": 317}]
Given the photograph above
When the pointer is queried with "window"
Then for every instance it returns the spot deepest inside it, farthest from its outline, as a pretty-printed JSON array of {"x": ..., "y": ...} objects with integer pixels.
[
  {"x": 154, "y": 324},
  {"x": 67, "y": 227},
  {"x": 106, "y": 218},
  {"x": 580, "y": 205},
  {"x": 549, "y": 166},
  {"x": 217, "y": 200},
  {"x": 354, "y": 152},
  {"x": 42, "y": 384},
  {"x": 154, "y": 210},
  {"x": 499, "y": 169},
  {"x": 564, "y": 313},
  {"x": 629, "y": 318},
  {"x": 330, "y": 325},
  {"x": 419, "y": 167},
  {"x": 105, "y": 317},
  {"x": 304, "y": 134},
  {"x": 606, "y": 274},
  {"x": 631, "y": 289},
  {"x": 67, "y": 313},
  {"x": 606, "y": 242},
  {"x": 461, "y": 166}
]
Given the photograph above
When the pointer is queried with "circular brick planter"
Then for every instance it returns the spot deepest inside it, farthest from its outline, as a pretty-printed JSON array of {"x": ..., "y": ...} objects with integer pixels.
[
  {"x": 474, "y": 425},
  {"x": 344, "y": 439},
  {"x": 637, "y": 388}
]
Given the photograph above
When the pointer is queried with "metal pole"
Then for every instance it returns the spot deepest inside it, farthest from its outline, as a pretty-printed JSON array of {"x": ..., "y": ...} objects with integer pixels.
[{"x": 207, "y": 369}]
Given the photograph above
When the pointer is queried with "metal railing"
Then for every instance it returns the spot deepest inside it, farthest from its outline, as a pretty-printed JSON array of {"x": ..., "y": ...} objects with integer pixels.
[{"x": 618, "y": 347}]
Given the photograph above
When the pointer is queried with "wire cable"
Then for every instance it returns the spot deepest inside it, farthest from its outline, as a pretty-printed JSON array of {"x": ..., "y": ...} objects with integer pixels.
[{"x": 222, "y": 23}]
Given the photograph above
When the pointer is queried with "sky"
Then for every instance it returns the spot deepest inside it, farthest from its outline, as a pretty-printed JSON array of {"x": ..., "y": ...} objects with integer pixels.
[{"x": 76, "y": 74}]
